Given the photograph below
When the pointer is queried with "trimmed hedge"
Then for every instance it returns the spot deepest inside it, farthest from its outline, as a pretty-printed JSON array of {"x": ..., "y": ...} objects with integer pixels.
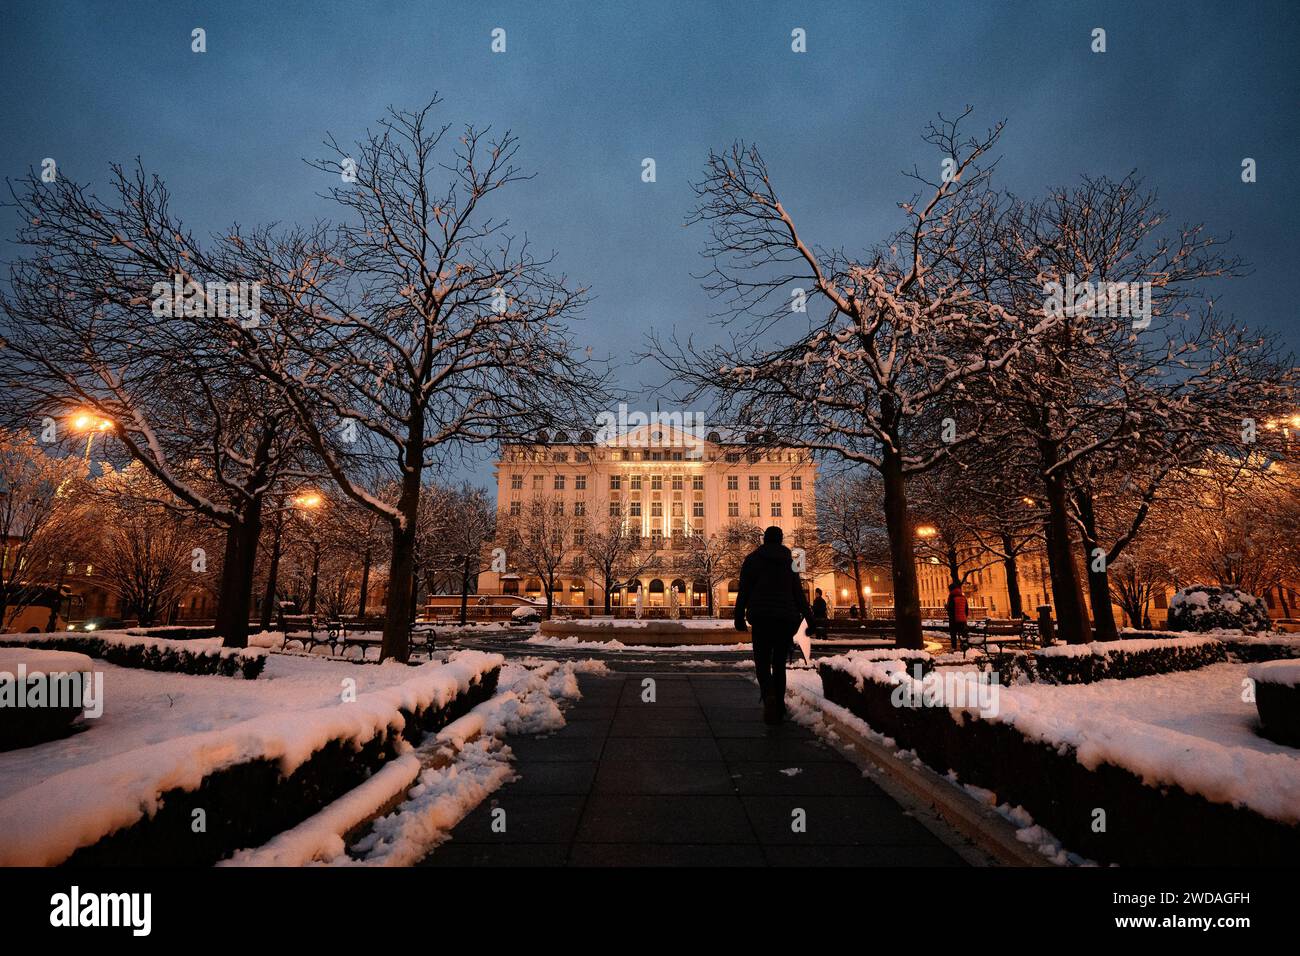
[
  {"x": 173, "y": 632},
  {"x": 249, "y": 803},
  {"x": 1145, "y": 826},
  {"x": 227, "y": 662},
  {"x": 1111, "y": 660}
]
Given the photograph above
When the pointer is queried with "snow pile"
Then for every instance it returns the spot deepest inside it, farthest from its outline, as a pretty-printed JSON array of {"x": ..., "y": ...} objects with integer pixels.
[
  {"x": 877, "y": 666},
  {"x": 43, "y": 824},
  {"x": 441, "y": 781},
  {"x": 1126, "y": 646},
  {"x": 1276, "y": 672},
  {"x": 1205, "y": 607}
]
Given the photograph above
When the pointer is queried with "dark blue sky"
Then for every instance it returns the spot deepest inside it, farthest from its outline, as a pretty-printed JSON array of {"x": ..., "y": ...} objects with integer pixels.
[{"x": 1184, "y": 92}]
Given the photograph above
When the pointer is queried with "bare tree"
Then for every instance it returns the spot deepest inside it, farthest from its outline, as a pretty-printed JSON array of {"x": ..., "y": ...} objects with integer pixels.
[
  {"x": 147, "y": 555},
  {"x": 41, "y": 515},
  {"x": 903, "y": 329},
  {"x": 539, "y": 541},
  {"x": 615, "y": 549},
  {"x": 849, "y": 516},
  {"x": 418, "y": 325},
  {"x": 92, "y": 325},
  {"x": 716, "y": 558},
  {"x": 462, "y": 550}
]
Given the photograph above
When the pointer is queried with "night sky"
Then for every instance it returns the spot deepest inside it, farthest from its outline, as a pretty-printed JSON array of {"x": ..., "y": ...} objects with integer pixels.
[{"x": 1183, "y": 94}]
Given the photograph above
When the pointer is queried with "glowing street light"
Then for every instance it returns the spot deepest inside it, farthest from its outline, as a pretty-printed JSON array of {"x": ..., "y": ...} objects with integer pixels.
[
  {"x": 927, "y": 531},
  {"x": 309, "y": 500},
  {"x": 90, "y": 423}
]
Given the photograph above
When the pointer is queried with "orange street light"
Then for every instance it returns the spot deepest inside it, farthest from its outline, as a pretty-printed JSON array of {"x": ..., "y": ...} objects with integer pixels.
[
  {"x": 927, "y": 531},
  {"x": 90, "y": 423},
  {"x": 309, "y": 500}
]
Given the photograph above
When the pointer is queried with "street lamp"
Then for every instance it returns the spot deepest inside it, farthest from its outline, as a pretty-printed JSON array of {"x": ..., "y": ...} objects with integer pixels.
[
  {"x": 90, "y": 423},
  {"x": 311, "y": 501},
  {"x": 926, "y": 531}
]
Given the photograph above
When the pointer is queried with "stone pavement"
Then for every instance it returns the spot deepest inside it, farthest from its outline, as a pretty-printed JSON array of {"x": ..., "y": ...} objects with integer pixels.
[{"x": 693, "y": 779}]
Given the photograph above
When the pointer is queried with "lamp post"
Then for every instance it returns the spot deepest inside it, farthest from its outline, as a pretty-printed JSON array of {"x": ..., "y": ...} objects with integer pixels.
[{"x": 311, "y": 502}]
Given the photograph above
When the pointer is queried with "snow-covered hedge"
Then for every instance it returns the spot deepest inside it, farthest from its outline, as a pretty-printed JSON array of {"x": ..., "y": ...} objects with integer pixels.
[
  {"x": 152, "y": 653},
  {"x": 1277, "y": 698},
  {"x": 1146, "y": 778},
  {"x": 262, "y": 775},
  {"x": 1107, "y": 660},
  {"x": 1205, "y": 607}
]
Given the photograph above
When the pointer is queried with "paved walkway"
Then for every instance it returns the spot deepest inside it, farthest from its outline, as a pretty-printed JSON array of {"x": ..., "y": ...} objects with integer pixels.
[{"x": 694, "y": 778}]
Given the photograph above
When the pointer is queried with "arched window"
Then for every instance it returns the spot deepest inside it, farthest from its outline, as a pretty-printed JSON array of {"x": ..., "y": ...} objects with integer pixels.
[
  {"x": 543, "y": 437},
  {"x": 733, "y": 586},
  {"x": 585, "y": 436},
  {"x": 679, "y": 585},
  {"x": 715, "y": 438},
  {"x": 561, "y": 437}
]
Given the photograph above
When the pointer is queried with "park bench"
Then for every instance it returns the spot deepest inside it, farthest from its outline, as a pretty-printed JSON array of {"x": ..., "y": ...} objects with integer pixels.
[
  {"x": 309, "y": 631},
  {"x": 1016, "y": 632}
]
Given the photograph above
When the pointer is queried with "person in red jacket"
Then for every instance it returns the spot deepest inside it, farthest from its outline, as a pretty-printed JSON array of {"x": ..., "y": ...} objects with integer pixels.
[{"x": 957, "y": 616}]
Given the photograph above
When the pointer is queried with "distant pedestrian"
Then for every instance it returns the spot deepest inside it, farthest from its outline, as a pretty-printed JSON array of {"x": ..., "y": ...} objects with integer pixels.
[
  {"x": 958, "y": 632},
  {"x": 820, "y": 614},
  {"x": 773, "y": 600}
]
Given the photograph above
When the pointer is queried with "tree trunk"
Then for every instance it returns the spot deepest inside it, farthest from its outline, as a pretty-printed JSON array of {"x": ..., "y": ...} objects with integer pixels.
[
  {"x": 1009, "y": 564},
  {"x": 235, "y": 594},
  {"x": 1103, "y": 615},
  {"x": 859, "y": 596},
  {"x": 464, "y": 594},
  {"x": 315, "y": 580},
  {"x": 396, "y": 641},
  {"x": 954, "y": 568},
  {"x": 1067, "y": 593},
  {"x": 365, "y": 582},
  {"x": 902, "y": 554},
  {"x": 272, "y": 574}
]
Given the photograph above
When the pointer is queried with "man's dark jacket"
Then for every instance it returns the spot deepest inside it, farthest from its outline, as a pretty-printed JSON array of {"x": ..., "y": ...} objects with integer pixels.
[{"x": 770, "y": 591}]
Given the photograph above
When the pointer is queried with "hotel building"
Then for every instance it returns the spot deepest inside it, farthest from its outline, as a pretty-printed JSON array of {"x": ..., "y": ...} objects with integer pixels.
[{"x": 668, "y": 483}]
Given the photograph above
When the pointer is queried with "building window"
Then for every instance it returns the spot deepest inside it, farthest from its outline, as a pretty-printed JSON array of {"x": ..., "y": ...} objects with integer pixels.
[
  {"x": 656, "y": 482},
  {"x": 613, "y": 509},
  {"x": 697, "y": 509},
  {"x": 580, "y": 482},
  {"x": 733, "y": 482},
  {"x": 697, "y": 482},
  {"x": 615, "y": 482},
  {"x": 634, "y": 509},
  {"x": 754, "y": 511},
  {"x": 537, "y": 482},
  {"x": 776, "y": 509},
  {"x": 753, "y": 482},
  {"x": 516, "y": 482},
  {"x": 796, "y": 482},
  {"x": 656, "y": 509},
  {"x": 636, "y": 482},
  {"x": 559, "y": 482},
  {"x": 733, "y": 509},
  {"x": 677, "y": 509},
  {"x": 774, "y": 483},
  {"x": 514, "y": 508},
  {"x": 733, "y": 457},
  {"x": 582, "y": 456},
  {"x": 579, "y": 509},
  {"x": 579, "y": 536},
  {"x": 796, "y": 509},
  {"x": 678, "y": 484}
]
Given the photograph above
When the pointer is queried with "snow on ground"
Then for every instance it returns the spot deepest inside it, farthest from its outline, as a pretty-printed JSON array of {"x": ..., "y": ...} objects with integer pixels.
[
  {"x": 809, "y": 707},
  {"x": 579, "y": 644},
  {"x": 478, "y": 762},
  {"x": 1189, "y": 728},
  {"x": 162, "y": 731}
]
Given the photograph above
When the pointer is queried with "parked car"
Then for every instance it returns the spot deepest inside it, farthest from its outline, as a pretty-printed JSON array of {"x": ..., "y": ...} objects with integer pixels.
[{"x": 98, "y": 624}]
